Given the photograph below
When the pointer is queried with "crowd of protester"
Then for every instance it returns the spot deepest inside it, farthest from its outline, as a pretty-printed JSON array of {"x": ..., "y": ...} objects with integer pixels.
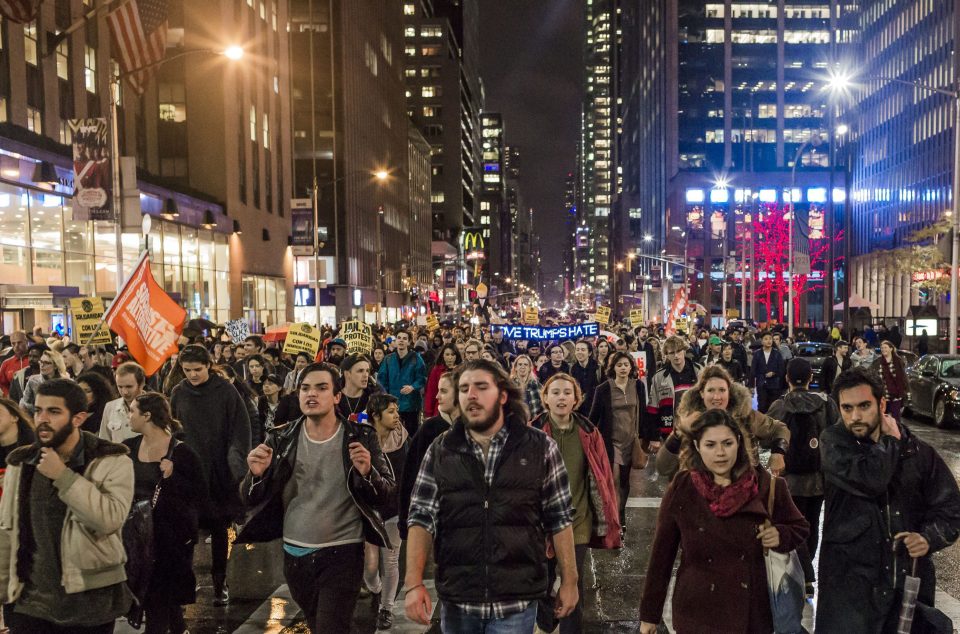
[{"x": 506, "y": 461}]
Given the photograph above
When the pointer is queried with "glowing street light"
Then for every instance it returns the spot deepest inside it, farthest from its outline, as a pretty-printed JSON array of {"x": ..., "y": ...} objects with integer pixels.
[{"x": 234, "y": 52}]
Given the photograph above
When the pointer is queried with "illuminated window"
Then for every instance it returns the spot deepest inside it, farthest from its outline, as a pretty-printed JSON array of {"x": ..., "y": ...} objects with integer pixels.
[
  {"x": 410, "y": 31},
  {"x": 30, "y": 42},
  {"x": 767, "y": 111},
  {"x": 754, "y": 36},
  {"x": 409, "y": 9},
  {"x": 253, "y": 123},
  {"x": 90, "y": 68},
  {"x": 695, "y": 196},
  {"x": 431, "y": 31},
  {"x": 34, "y": 120},
  {"x": 370, "y": 57},
  {"x": 172, "y": 102},
  {"x": 437, "y": 197},
  {"x": 266, "y": 131},
  {"x": 431, "y": 111},
  {"x": 806, "y": 37},
  {"x": 63, "y": 60},
  {"x": 410, "y": 51},
  {"x": 430, "y": 51},
  {"x": 431, "y": 91},
  {"x": 410, "y": 72},
  {"x": 715, "y": 36}
]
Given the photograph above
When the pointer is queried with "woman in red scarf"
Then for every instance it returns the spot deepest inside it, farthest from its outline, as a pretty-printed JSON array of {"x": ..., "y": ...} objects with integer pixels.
[{"x": 715, "y": 509}]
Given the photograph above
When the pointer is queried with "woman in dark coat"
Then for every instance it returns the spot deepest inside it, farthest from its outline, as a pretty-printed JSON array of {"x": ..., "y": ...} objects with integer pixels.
[
  {"x": 890, "y": 368},
  {"x": 99, "y": 392},
  {"x": 715, "y": 510},
  {"x": 175, "y": 516}
]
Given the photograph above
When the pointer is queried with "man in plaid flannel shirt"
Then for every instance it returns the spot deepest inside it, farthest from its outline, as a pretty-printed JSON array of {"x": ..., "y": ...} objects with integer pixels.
[{"x": 489, "y": 519}]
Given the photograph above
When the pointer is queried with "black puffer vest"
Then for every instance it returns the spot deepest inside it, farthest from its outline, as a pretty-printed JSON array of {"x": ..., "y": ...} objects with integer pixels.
[{"x": 491, "y": 544}]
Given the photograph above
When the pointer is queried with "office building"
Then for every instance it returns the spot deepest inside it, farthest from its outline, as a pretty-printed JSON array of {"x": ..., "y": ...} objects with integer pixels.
[
  {"x": 210, "y": 137},
  {"x": 494, "y": 214},
  {"x": 901, "y": 147},
  {"x": 350, "y": 122}
]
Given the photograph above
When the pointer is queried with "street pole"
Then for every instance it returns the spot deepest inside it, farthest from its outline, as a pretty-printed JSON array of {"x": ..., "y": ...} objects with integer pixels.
[
  {"x": 316, "y": 244},
  {"x": 955, "y": 255},
  {"x": 381, "y": 304},
  {"x": 115, "y": 179}
]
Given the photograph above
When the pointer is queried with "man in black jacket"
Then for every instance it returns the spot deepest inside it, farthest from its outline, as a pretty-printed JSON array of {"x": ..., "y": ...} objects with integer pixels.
[
  {"x": 488, "y": 494},
  {"x": 317, "y": 483},
  {"x": 889, "y": 499},
  {"x": 217, "y": 426},
  {"x": 833, "y": 366},
  {"x": 767, "y": 373}
]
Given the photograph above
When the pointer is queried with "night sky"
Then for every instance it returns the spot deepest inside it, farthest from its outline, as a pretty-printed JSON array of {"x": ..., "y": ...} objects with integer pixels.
[{"x": 531, "y": 56}]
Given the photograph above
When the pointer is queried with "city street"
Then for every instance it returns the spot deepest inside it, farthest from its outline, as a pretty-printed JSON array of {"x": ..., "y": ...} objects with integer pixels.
[{"x": 613, "y": 584}]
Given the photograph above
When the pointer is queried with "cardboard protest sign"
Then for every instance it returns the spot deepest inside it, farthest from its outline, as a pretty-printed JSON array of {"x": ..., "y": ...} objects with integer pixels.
[
  {"x": 87, "y": 316},
  {"x": 432, "y": 323},
  {"x": 302, "y": 338},
  {"x": 238, "y": 330},
  {"x": 636, "y": 317},
  {"x": 531, "y": 316},
  {"x": 358, "y": 335},
  {"x": 603, "y": 314}
]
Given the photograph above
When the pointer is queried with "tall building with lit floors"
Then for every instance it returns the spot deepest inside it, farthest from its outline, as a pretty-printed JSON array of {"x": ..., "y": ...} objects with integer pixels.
[
  {"x": 209, "y": 142},
  {"x": 753, "y": 134}
]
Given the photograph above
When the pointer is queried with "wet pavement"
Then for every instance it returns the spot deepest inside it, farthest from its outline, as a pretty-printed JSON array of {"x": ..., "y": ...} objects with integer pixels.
[{"x": 613, "y": 579}]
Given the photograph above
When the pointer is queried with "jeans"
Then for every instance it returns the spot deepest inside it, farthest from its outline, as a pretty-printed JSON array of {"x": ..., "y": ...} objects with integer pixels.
[
  {"x": 23, "y": 624},
  {"x": 325, "y": 585},
  {"x": 454, "y": 621},
  {"x": 381, "y": 573},
  {"x": 411, "y": 421},
  {"x": 810, "y": 508}
]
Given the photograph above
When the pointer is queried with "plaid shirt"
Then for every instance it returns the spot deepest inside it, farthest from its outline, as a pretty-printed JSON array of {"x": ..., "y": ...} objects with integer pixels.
[
  {"x": 531, "y": 395},
  {"x": 557, "y": 509}
]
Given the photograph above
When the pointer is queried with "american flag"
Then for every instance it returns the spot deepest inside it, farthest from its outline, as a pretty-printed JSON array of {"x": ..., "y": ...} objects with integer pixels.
[
  {"x": 19, "y": 11},
  {"x": 139, "y": 30}
]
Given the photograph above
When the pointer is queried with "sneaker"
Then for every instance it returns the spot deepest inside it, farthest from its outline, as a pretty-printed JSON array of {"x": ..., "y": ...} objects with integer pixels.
[{"x": 384, "y": 620}]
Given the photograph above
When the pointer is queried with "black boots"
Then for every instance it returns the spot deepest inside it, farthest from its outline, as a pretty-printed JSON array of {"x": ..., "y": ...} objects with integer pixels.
[{"x": 221, "y": 594}]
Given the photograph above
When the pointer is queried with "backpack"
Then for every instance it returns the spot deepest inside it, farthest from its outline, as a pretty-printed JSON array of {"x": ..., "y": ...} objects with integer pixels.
[{"x": 803, "y": 454}]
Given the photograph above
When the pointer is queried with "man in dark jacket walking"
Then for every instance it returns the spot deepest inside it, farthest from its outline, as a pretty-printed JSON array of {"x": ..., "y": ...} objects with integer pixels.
[
  {"x": 318, "y": 483},
  {"x": 835, "y": 364},
  {"x": 889, "y": 499},
  {"x": 806, "y": 414},
  {"x": 586, "y": 371},
  {"x": 488, "y": 494},
  {"x": 216, "y": 426},
  {"x": 767, "y": 373}
]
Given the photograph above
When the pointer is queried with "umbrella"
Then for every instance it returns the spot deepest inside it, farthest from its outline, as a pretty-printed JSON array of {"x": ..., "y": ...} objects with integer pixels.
[
  {"x": 932, "y": 619},
  {"x": 276, "y": 333},
  {"x": 195, "y": 327}
]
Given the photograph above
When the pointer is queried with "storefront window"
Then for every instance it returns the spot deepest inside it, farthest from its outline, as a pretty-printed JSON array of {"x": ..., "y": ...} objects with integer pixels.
[
  {"x": 46, "y": 225},
  {"x": 264, "y": 301},
  {"x": 104, "y": 242},
  {"x": 171, "y": 257},
  {"x": 13, "y": 237}
]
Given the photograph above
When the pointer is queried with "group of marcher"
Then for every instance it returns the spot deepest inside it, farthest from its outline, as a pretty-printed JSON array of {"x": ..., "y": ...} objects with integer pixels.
[{"x": 507, "y": 461}]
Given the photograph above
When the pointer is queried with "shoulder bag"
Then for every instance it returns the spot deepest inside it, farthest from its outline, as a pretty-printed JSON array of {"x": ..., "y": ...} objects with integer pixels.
[{"x": 784, "y": 581}]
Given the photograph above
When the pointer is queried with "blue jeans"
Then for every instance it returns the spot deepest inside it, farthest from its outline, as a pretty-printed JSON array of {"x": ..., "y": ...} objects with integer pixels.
[{"x": 453, "y": 621}]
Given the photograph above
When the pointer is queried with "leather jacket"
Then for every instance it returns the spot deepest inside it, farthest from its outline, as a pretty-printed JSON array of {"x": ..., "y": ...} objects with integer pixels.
[{"x": 263, "y": 496}]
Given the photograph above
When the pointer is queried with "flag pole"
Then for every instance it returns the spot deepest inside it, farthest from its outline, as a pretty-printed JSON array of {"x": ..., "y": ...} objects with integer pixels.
[{"x": 55, "y": 39}]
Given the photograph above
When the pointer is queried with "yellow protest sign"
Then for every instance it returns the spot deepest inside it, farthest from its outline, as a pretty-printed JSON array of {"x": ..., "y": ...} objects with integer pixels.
[
  {"x": 87, "y": 315},
  {"x": 682, "y": 325},
  {"x": 733, "y": 313},
  {"x": 432, "y": 322},
  {"x": 302, "y": 338},
  {"x": 531, "y": 316},
  {"x": 603, "y": 314},
  {"x": 636, "y": 317},
  {"x": 359, "y": 337}
]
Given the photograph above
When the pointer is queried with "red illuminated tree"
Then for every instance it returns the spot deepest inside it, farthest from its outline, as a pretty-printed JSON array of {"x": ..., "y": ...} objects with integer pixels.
[{"x": 771, "y": 240}]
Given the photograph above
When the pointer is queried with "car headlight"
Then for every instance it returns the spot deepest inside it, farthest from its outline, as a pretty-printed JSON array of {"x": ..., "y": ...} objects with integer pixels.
[{"x": 954, "y": 394}]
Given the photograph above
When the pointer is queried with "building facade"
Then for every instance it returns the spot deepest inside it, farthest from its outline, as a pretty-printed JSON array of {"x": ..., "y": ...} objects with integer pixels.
[
  {"x": 901, "y": 146},
  {"x": 349, "y": 124},
  {"x": 211, "y": 164},
  {"x": 494, "y": 214}
]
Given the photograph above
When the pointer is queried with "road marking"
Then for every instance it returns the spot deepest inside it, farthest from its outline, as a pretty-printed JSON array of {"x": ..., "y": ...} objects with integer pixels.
[
  {"x": 276, "y": 613},
  {"x": 643, "y": 503}
]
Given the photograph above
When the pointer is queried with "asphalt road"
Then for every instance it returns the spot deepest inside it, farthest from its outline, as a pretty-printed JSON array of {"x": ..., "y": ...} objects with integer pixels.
[{"x": 613, "y": 580}]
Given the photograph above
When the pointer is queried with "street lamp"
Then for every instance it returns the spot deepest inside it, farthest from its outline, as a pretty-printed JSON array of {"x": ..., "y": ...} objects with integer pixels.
[
  {"x": 842, "y": 82},
  {"x": 233, "y": 53}
]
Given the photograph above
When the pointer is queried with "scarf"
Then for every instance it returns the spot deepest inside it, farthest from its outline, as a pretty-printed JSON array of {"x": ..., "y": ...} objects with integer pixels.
[{"x": 725, "y": 501}]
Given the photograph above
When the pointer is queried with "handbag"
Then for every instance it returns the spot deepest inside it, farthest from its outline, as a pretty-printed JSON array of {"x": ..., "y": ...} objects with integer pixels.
[
  {"x": 784, "y": 582},
  {"x": 138, "y": 541}
]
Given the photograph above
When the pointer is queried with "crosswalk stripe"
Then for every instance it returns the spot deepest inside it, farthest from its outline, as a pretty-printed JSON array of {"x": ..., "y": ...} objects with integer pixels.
[{"x": 643, "y": 503}]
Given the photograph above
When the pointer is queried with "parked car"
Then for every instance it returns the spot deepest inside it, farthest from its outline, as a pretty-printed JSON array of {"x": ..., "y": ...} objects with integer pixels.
[
  {"x": 909, "y": 358},
  {"x": 816, "y": 353},
  {"x": 935, "y": 388}
]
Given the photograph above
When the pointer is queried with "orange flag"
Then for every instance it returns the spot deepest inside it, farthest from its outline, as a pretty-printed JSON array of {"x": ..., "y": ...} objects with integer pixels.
[{"x": 146, "y": 317}]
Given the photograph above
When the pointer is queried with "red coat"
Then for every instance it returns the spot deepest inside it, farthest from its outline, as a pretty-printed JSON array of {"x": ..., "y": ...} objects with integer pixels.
[
  {"x": 605, "y": 532},
  {"x": 433, "y": 386},
  {"x": 8, "y": 368},
  {"x": 722, "y": 565}
]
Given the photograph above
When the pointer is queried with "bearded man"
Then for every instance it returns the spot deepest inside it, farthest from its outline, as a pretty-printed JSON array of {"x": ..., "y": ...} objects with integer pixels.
[
  {"x": 890, "y": 499},
  {"x": 490, "y": 471}
]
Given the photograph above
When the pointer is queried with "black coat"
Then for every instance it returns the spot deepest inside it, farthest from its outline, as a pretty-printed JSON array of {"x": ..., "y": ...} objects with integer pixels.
[
  {"x": 216, "y": 425},
  {"x": 588, "y": 378},
  {"x": 175, "y": 524},
  {"x": 419, "y": 445},
  {"x": 761, "y": 366},
  {"x": 601, "y": 415},
  {"x": 829, "y": 372},
  {"x": 263, "y": 496},
  {"x": 875, "y": 490}
]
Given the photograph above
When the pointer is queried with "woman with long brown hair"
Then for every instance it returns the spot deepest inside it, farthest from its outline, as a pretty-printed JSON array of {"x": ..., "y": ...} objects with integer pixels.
[
  {"x": 167, "y": 471},
  {"x": 890, "y": 368},
  {"x": 716, "y": 511}
]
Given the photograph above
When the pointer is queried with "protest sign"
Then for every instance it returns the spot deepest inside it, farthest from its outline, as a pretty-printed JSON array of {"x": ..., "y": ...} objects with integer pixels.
[
  {"x": 358, "y": 335},
  {"x": 302, "y": 338},
  {"x": 433, "y": 323},
  {"x": 87, "y": 319},
  {"x": 548, "y": 333},
  {"x": 636, "y": 317},
  {"x": 238, "y": 330},
  {"x": 603, "y": 314},
  {"x": 531, "y": 316}
]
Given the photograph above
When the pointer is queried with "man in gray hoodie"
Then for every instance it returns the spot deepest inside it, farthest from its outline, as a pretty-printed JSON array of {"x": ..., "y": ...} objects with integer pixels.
[{"x": 806, "y": 415}]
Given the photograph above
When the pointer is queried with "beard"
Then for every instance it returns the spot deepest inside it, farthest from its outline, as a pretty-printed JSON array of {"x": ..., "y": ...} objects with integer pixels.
[
  {"x": 871, "y": 427},
  {"x": 59, "y": 435},
  {"x": 489, "y": 420}
]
